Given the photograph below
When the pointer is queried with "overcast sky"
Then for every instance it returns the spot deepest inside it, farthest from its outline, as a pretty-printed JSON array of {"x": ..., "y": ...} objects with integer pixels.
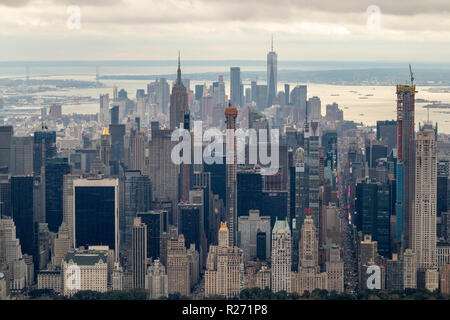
[{"x": 414, "y": 30}]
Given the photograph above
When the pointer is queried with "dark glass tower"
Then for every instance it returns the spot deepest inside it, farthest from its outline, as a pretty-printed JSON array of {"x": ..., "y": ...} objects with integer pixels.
[
  {"x": 137, "y": 198},
  {"x": 44, "y": 148},
  {"x": 6, "y": 133},
  {"x": 249, "y": 186},
  {"x": 156, "y": 222},
  {"x": 22, "y": 211},
  {"x": 55, "y": 169},
  {"x": 261, "y": 245},
  {"x": 372, "y": 213},
  {"x": 96, "y": 212}
]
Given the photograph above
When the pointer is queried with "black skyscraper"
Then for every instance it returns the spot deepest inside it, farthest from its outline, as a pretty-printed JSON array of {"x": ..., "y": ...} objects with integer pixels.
[
  {"x": 44, "y": 148},
  {"x": 249, "y": 188},
  {"x": 55, "y": 169},
  {"x": 137, "y": 198},
  {"x": 156, "y": 221},
  {"x": 95, "y": 215},
  {"x": 6, "y": 133},
  {"x": 22, "y": 211}
]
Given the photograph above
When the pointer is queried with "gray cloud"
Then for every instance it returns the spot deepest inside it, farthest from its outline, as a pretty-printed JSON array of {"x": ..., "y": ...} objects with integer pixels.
[{"x": 92, "y": 3}]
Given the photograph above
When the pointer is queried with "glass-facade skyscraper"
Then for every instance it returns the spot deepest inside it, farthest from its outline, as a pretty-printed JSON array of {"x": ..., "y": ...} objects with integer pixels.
[{"x": 96, "y": 215}]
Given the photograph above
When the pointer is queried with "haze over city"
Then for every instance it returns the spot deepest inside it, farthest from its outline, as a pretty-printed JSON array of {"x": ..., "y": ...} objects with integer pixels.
[
  {"x": 216, "y": 30},
  {"x": 212, "y": 151}
]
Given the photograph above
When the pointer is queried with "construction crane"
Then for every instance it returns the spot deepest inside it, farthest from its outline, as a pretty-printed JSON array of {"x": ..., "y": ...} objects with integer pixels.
[{"x": 411, "y": 73}]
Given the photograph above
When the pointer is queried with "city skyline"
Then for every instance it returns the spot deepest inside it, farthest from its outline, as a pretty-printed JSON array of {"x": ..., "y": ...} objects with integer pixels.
[{"x": 151, "y": 179}]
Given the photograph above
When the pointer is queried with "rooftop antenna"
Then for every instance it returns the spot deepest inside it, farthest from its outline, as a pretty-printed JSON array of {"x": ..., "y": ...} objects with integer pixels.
[
  {"x": 272, "y": 43},
  {"x": 412, "y": 75}
]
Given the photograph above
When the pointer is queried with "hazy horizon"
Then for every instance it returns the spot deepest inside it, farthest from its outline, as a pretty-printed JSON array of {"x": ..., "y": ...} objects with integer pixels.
[{"x": 303, "y": 30}]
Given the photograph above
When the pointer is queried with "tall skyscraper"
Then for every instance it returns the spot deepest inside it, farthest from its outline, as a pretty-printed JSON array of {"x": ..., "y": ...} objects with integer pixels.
[
  {"x": 191, "y": 225},
  {"x": 254, "y": 235},
  {"x": 61, "y": 245},
  {"x": 104, "y": 109},
  {"x": 387, "y": 132},
  {"x": 301, "y": 201},
  {"x": 372, "y": 213},
  {"x": 96, "y": 212},
  {"x": 6, "y": 133},
  {"x": 22, "y": 211},
  {"x": 105, "y": 147},
  {"x": 21, "y": 159},
  {"x": 139, "y": 253},
  {"x": 335, "y": 270},
  {"x": 312, "y": 145},
  {"x": 162, "y": 171},
  {"x": 231, "y": 189},
  {"x": 44, "y": 148},
  {"x": 235, "y": 86},
  {"x": 272, "y": 74},
  {"x": 11, "y": 255},
  {"x": 281, "y": 256},
  {"x": 287, "y": 94},
  {"x": 224, "y": 267},
  {"x": 424, "y": 218},
  {"x": 298, "y": 101},
  {"x": 314, "y": 109},
  {"x": 137, "y": 198},
  {"x": 68, "y": 210},
  {"x": 178, "y": 101},
  {"x": 156, "y": 222},
  {"x": 178, "y": 272},
  {"x": 309, "y": 246},
  {"x": 405, "y": 163},
  {"x": 136, "y": 150},
  {"x": 55, "y": 169},
  {"x": 157, "y": 280},
  {"x": 409, "y": 269}
]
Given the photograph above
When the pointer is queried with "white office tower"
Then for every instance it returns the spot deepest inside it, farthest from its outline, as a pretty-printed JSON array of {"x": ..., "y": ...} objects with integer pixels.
[
  {"x": 11, "y": 253},
  {"x": 309, "y": 246},
  {"x": 309, "y": 276},
  {"x": 315, "y": 107},
  {"x": 409, "y": 269},
  {"x": 250, "y": 228},
  {"x": 224, "y": 268},
  {"x": 424, "y": 221},
  {"x": 104, "y": 109},
  {"x": 140, "y": 108},
  {"x": 335, "y": 270},
  {"x": 157, "y": 280},
  {"x": 281, "y": 256},
  {"x": 432, "y": 279},
  {"x": 61, "y": 245},
  {"x": 117, "y": 277}
]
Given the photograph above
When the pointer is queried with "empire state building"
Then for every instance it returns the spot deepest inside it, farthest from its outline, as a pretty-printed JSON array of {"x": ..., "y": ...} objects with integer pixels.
[{"x": 178, "y": 101}]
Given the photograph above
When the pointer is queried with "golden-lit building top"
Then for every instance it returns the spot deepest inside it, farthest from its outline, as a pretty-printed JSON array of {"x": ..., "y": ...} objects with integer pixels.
[
  {"x": 223, "y": 226},
  {"x": 406, "y": 88},
  {"x": 106, "y": 131}
]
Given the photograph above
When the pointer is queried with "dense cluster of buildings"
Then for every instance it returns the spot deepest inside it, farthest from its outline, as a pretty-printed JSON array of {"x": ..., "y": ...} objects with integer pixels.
[{"x": 97, "y": 203}]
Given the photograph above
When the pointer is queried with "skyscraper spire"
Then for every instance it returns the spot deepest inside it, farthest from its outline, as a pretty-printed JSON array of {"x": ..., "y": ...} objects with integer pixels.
[
  {"x": 179, "y": 69},
  {"x": 272, "y": 43}
]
